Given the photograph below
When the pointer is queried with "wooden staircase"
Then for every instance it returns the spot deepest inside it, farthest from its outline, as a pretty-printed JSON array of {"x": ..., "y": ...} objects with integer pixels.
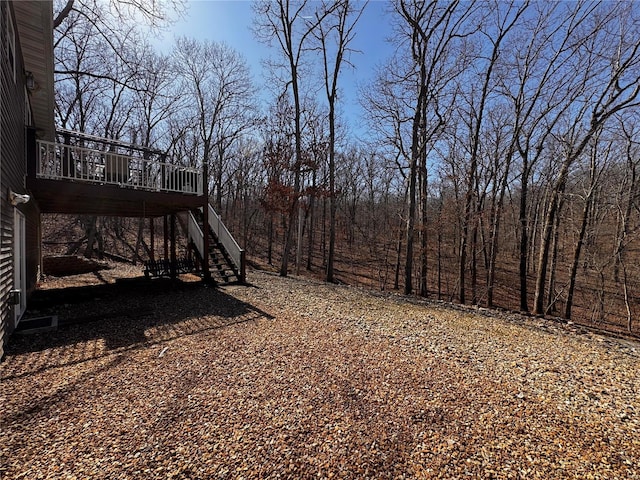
[
  {"x": 226, "y": 258},
  {"x": 221, "y": 267}
]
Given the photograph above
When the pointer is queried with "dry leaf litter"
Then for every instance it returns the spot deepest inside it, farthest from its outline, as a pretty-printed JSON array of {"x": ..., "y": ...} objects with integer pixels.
[{"x": 291, "y": 378}]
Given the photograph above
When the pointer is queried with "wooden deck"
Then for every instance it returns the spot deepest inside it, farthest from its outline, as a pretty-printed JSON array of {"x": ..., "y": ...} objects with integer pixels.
[
  {"x": 81, "y": 174},
  {"x": 73, "y": 197},
  {"x": 86, "y": 175}
]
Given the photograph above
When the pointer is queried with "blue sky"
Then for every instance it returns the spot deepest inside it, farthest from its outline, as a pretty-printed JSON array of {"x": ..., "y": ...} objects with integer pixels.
[{"x": 230, "y": 21}]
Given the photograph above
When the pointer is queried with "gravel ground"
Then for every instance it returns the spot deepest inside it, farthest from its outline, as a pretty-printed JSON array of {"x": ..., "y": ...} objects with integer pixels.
[{"x": 289, "y": 378}]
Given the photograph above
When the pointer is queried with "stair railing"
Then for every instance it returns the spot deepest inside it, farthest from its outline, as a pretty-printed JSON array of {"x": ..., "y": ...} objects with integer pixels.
[
  {"x": 229, "y": 243},
  {"x": 196, "y": 235},
  {"x": 236, "y": 254}
]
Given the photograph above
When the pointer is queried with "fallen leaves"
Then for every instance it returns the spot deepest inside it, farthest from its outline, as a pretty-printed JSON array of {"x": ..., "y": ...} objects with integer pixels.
[{"x": 297, "y": 379}]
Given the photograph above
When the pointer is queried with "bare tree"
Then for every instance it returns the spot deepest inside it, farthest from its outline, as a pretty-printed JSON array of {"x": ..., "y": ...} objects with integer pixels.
[
  {"x": 217, "y": 79},
  {"x": 410, "y": 97},
  {"x": 539, "y": 91},
  {"x": 97, "y": 66},
  {"x": 610, "y": 69},
  {"x": 290, "y": 26},
  {"x": 277, "y": 157},
  {"x": 156, "y": 14},
  {"x": 506, "y": 18},
  {"x": 598, "y": 159},
  {"x": 114, "y": 26},
  {"x": 626, "y": 193},
  {"x": 100, "y": 104},
  {"x": 156, "y": 99},
  {"x": 334, "y": 34}
]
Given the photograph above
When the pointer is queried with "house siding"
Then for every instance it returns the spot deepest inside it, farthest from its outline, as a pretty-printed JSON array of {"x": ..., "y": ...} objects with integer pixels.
[{"x": 12, "y": 175}]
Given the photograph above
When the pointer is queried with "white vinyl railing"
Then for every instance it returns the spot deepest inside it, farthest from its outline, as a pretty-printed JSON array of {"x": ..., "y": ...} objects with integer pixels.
[
  {"x": 226, "y": 239},
  {"x": 196, "y": 235},
  {"x": 57, "y": 161}
]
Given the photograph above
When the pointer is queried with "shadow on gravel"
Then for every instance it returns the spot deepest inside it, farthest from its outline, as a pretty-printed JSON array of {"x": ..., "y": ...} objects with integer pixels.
[{"x": 101, "y": 320}]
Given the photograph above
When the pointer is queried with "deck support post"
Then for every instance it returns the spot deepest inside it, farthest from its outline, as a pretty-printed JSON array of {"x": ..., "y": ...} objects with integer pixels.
[
  {"x": 152, "y": 240},
  {"x": 173, "y": 247},
  {"x": 166, "y": 237},
  {"x": 205, "y": 222}
]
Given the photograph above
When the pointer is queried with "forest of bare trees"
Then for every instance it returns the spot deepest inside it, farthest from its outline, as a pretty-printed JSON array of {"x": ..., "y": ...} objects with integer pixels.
[{"x": 500, "y": 167}]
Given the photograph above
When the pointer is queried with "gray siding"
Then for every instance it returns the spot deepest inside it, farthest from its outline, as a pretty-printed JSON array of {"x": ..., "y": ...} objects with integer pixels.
[{"x": 12, "y": 175}]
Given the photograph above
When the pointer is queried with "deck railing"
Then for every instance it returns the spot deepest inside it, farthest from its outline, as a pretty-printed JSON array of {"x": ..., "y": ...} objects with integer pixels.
[{"x": 59, "y": 161}]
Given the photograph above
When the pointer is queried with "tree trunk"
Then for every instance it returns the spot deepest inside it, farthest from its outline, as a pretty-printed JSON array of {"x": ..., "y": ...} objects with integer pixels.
[
  {"x": 576, "y": 257},
  {"x": 543, "y": 260},
  {"x": 300, "y": 235},
  {"x": 496, "y": 219},
  {"x": 462, "y": 266},
  {"x": 91, "y": 232},
  {"x": 332, "y": 207},
  {"x": 409, "y": 231},
  {"x": 474, "y": 263},
  {"x": 552, "y": 210},
  {"x": 396, "y": 278},
  {"x": 551, "y": 288},
  {"x": 524, "y": 239},
  {"x": 624, "y": 218},
  {"x": 139, "y": 239},
  {"x": 423, "y": 291},
  {"x": 270, "y": 240},
  {"x": 311, "y": 216},
  {"x": 627, "y": 305}
]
